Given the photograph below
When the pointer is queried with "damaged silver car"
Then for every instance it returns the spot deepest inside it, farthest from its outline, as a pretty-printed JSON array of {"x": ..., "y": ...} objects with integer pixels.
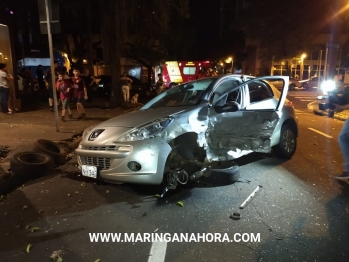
[{"x": 184, "y": 132}]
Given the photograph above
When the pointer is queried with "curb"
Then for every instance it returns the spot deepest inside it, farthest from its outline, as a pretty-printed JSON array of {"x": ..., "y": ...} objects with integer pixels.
[{"x": 324, "y": 113}]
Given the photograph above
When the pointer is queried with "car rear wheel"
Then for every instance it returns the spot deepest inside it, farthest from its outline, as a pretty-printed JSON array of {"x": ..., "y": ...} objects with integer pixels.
[{"x": 288, "y": 142}]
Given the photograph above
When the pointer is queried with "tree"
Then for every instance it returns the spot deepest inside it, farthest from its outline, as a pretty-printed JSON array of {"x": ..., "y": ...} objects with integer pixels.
[
  {"x": 152, "y": 43},
  {"x": 122, "y": 19},
  {"x": 285, "y": 32}
]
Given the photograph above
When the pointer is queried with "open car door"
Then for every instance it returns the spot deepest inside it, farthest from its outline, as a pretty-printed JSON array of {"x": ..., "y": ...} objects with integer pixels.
[{"x": 234, "y": 131}]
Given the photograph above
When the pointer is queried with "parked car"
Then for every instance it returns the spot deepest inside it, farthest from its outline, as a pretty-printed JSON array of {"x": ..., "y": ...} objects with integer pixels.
[
  {"x": 189, "y": 128},
  {"x": 311, "y": 83},
  {"x": 293, "y": 83},
  {"x": 137, "y": 86}
]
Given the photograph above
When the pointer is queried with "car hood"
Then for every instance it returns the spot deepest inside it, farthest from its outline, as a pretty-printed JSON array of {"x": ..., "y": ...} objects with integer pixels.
[{"x": 140, "y": 117}]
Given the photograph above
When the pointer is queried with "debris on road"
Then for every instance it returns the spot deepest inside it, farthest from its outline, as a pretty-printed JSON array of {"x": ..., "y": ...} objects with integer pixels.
[
  {"x": 4, "y": 150},
  {"x": 56, "y": 256},
  {"x": 235, "y": 216},
  {"x": 180, "y": 203},
  {"x": 25, "y": 207},
  {"x": 28, "y": 248},
  {"x": 83, "y": 184},
  {"x": 33, "y": 229},
  {"x": 250, "y": 197}
]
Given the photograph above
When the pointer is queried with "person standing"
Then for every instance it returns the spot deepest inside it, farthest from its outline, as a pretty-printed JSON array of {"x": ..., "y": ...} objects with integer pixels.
[
  {"x": 80, "y": 93},
  {"x": 89, "y": 80},
  {"x": 125, "y": 82},
  {"x": 159, "y": 84},
  {"x": 5, "y": 77},
  {"x": 63, "y": 86},
  {"x": 343, "y": 138},
  {"x": 40, "y": 77},
  {"x": 12, "y": 99},
  {"x": 48, "y": 82}
]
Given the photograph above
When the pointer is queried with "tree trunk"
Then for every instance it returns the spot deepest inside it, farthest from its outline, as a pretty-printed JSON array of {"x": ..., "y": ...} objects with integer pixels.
[
  {"x": 150, "y": 74},
  {"x": 111, "y": 43},
  {"x": 89, "y": 37}
]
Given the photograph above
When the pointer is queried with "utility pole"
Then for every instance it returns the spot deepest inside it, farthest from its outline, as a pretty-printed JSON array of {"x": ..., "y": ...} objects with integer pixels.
[
  {"x": 49, "y": 23},
  {"x": 53, "y": 72}
]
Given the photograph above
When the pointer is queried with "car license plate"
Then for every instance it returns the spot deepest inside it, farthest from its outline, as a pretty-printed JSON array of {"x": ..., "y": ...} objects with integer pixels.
[{"x": 90, "y": 171}]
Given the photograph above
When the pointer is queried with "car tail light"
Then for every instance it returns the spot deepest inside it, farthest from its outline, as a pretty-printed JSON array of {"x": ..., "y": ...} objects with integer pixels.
[{"x": 290, "y": 104}]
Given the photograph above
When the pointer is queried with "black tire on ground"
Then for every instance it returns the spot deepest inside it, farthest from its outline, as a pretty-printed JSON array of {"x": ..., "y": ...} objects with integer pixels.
[
  {"x": 56, "y": 151},
  {"x": 230, "y": 172},
  {"x": 31, "y": 164},
  {"x": 306, "y": 87},
  {"x": 292, "y": 87},
  {"x": 288, "y": 142}
]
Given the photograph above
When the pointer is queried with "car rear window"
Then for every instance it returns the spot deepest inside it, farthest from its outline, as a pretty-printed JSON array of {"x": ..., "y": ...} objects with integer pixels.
[{"x": 259, "y": 91}]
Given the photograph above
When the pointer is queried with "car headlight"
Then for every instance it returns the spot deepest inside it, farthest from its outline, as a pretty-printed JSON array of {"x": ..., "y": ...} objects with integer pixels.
[
  {"x": 328, "y": 86},
  {"x": 146, "y": 131},
  {"x": 87, "y": 131}
]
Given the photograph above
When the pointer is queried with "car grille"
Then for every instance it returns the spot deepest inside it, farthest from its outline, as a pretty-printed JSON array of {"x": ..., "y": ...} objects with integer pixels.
[
  {"x": 101, "y": 162},
  {"x": 105, "y": 148}
]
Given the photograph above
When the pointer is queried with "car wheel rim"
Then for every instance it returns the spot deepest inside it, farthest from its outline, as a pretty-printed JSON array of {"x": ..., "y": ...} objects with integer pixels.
[{"x": 289, "y": 141}]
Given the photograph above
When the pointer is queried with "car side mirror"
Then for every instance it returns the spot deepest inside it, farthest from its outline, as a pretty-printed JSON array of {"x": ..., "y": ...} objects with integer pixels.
[{"x": 230, "y": 106}]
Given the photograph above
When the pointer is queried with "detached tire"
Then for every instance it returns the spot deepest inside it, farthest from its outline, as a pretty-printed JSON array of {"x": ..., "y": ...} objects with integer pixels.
[
  {"x": 288, "y": 142},
  {"x": 56, "y": 151},
  {"x": 31, "y": 165},
  {"x": 228, "y": 173}
]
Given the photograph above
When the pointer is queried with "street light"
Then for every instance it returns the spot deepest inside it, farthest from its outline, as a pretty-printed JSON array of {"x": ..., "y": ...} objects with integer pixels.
[
  {"x": 228, "y": 61},
  {"x": 302, "y": 65}
]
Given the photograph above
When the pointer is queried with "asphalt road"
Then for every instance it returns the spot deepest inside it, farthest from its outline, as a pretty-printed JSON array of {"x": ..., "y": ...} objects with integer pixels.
[{"x": 301, "y": 212}]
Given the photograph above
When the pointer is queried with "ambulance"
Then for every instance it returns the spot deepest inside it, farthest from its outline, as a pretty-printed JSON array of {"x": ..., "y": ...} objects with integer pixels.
[{"x": 176, "y": 72}]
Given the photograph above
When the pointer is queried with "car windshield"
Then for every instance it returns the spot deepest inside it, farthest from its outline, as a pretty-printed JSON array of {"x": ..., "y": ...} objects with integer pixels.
[{"x": 187, "y": 94}]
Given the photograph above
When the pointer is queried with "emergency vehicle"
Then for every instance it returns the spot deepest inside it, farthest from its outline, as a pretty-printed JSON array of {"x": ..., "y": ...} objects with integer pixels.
[{"x": 175, "y": 72}]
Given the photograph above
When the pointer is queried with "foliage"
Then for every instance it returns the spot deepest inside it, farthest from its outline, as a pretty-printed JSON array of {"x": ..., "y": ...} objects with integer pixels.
[
  {"x": 147, "y": 24},
  {"x": 284, "y": 32}
]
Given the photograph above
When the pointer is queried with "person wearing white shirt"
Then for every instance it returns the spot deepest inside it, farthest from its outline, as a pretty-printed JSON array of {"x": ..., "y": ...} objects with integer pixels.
[{"x": 4, "y": 88}]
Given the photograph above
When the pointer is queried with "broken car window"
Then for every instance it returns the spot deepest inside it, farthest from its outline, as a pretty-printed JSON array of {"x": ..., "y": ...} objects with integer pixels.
[
  {"x": 259, "y": 91},
  {"x": 187, "y": 94}
]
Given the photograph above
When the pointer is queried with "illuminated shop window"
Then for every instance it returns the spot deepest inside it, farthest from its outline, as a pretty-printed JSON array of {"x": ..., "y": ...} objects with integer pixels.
[{"x": 5, "y": 48}]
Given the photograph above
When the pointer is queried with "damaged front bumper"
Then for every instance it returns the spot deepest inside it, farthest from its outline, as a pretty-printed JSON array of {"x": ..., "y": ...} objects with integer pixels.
[{"x": 135, "y": 162}]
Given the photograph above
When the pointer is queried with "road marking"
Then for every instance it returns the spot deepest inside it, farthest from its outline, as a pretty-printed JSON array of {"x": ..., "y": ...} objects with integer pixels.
[
  {"x": 319, "y": 132},
  {"x": 307, "y": 100},
  {"x": 298, "y": 111},
  {"x": 309, "y": 106},
  {"x": 158, "y": 252}
]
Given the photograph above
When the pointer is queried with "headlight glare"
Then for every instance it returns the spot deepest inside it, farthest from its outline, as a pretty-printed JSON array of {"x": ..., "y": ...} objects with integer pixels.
[
  {"x": 146, "y": 131},
  {"x": 328, "y": 86}
]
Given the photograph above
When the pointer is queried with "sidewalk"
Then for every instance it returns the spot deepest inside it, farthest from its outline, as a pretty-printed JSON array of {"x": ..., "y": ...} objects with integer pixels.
[
  {"x": 314, "y": 106},
  {"x": 20, "y": 130}
]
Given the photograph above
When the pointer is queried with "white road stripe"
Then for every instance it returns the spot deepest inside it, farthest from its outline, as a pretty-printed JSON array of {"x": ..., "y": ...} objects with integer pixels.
[
  {"x": 307, "y": 100},
  {"x": 158, "y": 252},
  {"x": 298, "y": 111},
  {"x": 304, "y": 97},
  {"x": 317, "y": 131}
]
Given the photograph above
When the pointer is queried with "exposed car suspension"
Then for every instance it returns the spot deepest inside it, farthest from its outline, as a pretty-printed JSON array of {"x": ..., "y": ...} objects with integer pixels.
[
  {"x": 180, "y": 176},
  {"x": 172, "y": 179}
]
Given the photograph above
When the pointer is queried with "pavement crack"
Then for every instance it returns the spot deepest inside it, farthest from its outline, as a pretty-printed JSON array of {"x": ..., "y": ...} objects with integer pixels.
[
  {"x": 255, "y": 250},
  {"x": 262, "y": 219}
]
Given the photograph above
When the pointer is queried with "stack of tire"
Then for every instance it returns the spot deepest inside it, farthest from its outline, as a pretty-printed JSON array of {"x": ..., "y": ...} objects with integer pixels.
[{"x": 40, "y": 161}]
